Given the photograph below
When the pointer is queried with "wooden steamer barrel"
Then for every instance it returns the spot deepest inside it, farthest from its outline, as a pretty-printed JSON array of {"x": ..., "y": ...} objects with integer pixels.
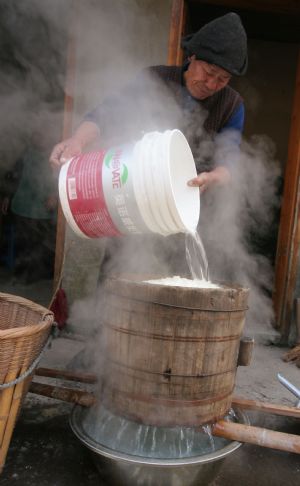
[{"x": 170, "y": 353}]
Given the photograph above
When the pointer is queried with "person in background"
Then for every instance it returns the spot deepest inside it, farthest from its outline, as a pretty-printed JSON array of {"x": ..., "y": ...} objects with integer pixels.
[
  {"x": 206, "y": 107},
  {"x": 33, "y": 205}
]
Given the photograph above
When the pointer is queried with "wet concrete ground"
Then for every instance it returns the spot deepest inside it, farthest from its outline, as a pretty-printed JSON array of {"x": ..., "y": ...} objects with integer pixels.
[{"x": 44, "y": 451}]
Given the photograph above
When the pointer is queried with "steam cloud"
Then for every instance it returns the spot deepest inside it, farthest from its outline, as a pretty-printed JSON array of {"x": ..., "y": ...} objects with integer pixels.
[
  {"x": 239, "y": 224},
  {"x": 34, "y": 39},
  {"x": 32, "y": 53}
]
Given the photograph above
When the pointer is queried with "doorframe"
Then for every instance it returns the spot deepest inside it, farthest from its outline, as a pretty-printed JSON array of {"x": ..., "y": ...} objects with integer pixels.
[
  {"x": 66, "y": 133},
  {"x": 286, "y": 266},
  {"x": 177, "y": 28}
]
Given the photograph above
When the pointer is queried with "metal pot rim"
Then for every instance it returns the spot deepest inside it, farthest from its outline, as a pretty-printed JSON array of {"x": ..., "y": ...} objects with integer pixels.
[{"x": 120, "y": 456}]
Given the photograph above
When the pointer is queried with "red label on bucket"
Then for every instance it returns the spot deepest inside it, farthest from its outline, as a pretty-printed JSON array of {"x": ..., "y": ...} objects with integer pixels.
[{"x": 86, "y": 197}]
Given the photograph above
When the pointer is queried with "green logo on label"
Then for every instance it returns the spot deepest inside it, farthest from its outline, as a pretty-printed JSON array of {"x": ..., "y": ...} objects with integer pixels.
[
  {"x": 124, "y": 175},
  {"x": 119, "y": 170},
  {"x": 107, "y": 159}
]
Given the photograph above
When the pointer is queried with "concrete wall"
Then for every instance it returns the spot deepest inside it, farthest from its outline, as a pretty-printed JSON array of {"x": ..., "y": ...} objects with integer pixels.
[{"x": 115, "y": 39}]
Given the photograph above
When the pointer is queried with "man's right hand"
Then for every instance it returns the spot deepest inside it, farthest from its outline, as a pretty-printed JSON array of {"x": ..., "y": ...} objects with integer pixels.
[{"x": 64, "y": 151}]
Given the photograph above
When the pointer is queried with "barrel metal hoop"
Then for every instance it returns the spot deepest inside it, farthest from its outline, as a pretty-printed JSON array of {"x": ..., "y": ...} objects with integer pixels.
[
  {"x": 197, "y": 308},
  {"x": 171, "y": 401},
  {"x": 169, "y": 375},
  {"x": 164, "y": 304},
  {"x": 171, "y": 337}
]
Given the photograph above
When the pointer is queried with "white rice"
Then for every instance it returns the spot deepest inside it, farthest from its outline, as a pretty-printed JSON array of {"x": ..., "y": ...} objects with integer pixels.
[{"x": 184, "y": 282}]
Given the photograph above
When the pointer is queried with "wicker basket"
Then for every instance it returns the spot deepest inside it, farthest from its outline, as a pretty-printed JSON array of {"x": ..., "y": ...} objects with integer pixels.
[{"x": 24, "y": 331}]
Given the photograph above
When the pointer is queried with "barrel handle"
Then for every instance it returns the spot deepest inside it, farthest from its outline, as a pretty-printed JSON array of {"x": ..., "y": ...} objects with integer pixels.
[{"x": 245, "y": 351}]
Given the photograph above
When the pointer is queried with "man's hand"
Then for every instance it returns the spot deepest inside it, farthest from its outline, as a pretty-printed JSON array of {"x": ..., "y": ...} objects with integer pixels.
[
  {"x": 85, "y": 134},
  {"x": 220, "y": 176},
  {"x": 64, "y": 151}
]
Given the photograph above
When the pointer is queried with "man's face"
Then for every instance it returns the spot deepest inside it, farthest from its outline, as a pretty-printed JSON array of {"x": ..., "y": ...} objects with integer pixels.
[{"x": 203, "y": 79}]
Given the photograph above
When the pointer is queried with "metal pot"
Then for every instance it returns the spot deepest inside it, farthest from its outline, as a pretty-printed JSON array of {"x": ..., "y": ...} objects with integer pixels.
[{"x": 121, "y": 469}]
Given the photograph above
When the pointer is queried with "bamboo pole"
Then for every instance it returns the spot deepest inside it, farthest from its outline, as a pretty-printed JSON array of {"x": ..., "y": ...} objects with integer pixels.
[
  {"x": 71, "y": 395},
  {"x": 257, "y": 435},
  {"x": 66, "y": 375},
  {"x": 228, "y": 430},
  {"x": 239, "y": 402},
  {"x": 265, "y": 407}
]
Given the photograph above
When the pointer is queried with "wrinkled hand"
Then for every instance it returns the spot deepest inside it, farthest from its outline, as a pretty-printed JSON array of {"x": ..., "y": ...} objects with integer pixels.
[
  {"x": 64, "y": 151},
  {"x": 220, "y": 176}
]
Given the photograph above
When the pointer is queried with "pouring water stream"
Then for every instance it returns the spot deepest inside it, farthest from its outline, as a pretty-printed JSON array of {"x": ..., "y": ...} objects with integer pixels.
[{"x": 196, "y": 256}]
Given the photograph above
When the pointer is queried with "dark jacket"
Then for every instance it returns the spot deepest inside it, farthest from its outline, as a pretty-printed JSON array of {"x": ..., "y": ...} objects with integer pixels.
[{"x": 159, "y": 100}]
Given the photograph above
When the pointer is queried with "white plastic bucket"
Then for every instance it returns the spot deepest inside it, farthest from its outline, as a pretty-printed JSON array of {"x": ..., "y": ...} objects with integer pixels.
[{"x": 138, "y": 188}]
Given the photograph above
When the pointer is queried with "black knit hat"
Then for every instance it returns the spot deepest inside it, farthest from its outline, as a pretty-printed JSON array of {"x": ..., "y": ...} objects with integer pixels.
[{"x": 222, "y": 42}]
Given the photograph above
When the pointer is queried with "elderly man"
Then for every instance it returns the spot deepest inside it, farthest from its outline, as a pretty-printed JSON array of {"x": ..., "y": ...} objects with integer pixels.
[{"x": 195, "y": 98}]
